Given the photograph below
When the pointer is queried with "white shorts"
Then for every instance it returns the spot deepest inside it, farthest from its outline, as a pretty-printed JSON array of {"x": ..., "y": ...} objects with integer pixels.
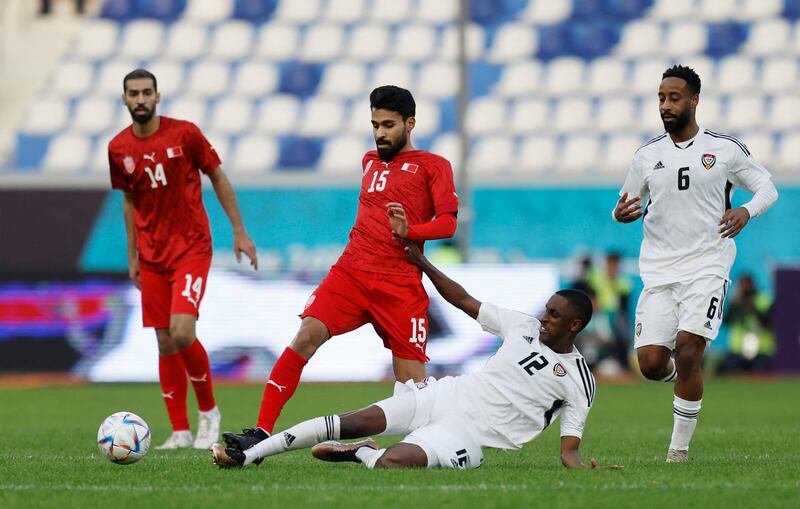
[
  {"x": 426, "y": 416},
  {"x": 692, "y": 306}
]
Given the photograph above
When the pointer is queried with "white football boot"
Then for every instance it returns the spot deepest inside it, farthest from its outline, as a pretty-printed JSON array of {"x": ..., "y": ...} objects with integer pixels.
[
  {"x": 177, "y": 440},
  {"x": 207, "y": 428}
]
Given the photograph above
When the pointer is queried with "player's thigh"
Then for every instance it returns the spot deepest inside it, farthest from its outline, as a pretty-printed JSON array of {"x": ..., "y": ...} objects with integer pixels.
[
  {"x": 156, "y": 298},
  {"x": 399, "y": 313},
  {"x": 189, "y": 286},
  {"x": 447, "y": 444},
  {"x": 656, "y": 317},
  {"x": 700, "y": 306},
  {"x": 411, "y": 409},
  {"x": 340, "y": 302}
]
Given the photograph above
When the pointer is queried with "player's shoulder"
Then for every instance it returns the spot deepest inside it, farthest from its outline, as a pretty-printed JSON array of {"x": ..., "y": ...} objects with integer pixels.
[
  {"x": 651, "y": 146},
  {"x": 177, "y": 124},
  {"x": 428, "y": 160},
  {"x": 724, "y": 141},
  {"x": 120, "y": 139},
  {"x": 584, "y": 380}
]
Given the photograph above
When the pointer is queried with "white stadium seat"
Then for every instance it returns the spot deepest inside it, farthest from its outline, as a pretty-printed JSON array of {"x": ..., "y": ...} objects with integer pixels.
[
  {"x": 549, "y": 12},
  {"x": 169, "y": 75},
  {"x": 278, "y": 114},
  {"x": 359, "y": 117},
  {"x": 208, "y": 79},
  {"x": 187, "y": 108},
  {"x": 437, "y": 11},
  {"x": 685, "y": 38},
  {"x": 476, "y": 42},
  {"x": 580, "y": 154},
  {"x": 414, "y": 43},
  {"x": 789, "y": 151},
  {"x": 141, "y": 39},
  {"x": 68, "y": 153},
  {"x": 449, "y": 146},
  {"x": 345, "y": 11},
  {"x": 321, "y": 116},
  {"x": 209, "y": 11},
  {"x": 619, "y": 152},
  {"x": 709, "y": 111},
  {"x": 297, "y": 12},
  {"x": 519, "y": 78},
  {"x": 672, "y": 9},
  {"x": 735, "y": 73},
  {"x": 530, "y": 115},
  {"x": 255, "y": 79},
  {"x": 704, "y": 67},
  {"x": 94, "y": 114},
  {"x": 323, "y": 42},
  {"x": 615, "y": 113},
  {"x": 537, "y": 154},
  {"x": 109, "y": 82},
  {"x": 232, "y": 40},
  {"x": 572, "y": 114},
  {"x": 72, "y": 79},
  {"x": 186, "y": 41},
  {"x": 221, "y": 143},
  {"x": 98, "y": 158},
  {"x": 761, "y": 146},
  {"x": 97, "y": 39},
  {"x": 768, "y": 37},
  {"x": 46, "y": 115},
  {"x": 368, "y": 42},
  {"x": 492, "y": 154},
  {"x": 254, "y": 154},
  {"x": 640, "y": 38},
  {"x": 648, "y": 118},
  {"x": 390, "y": 11},
  {"x": 439, "y": 80},
  {"x": 513, "y": 41},
  {"x": 750, "y": 10},
  {"x": 343, "y": 79},
  {"x": 785, "y": 112},
  {"x": 486, "y": 115},
  {"x": 428, "y": 117},
  {"x": 392, "y": 73},
  {"x": 231, "y": 115},
  {"x": 342, "y": 154},
  {"x": 716, "y": 11},
  {"x": 565, "y": 75},
  {"x": 646, "y": 76},
  {"x": 744, "y": 112},
  {"x": 779, "y": 74},
  {"x": 607, "y": 75},
  {"x": 277, "y": 41}
]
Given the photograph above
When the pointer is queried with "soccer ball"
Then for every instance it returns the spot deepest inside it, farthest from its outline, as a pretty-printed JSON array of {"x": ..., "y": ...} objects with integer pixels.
[{"x": 124, "y": 438}]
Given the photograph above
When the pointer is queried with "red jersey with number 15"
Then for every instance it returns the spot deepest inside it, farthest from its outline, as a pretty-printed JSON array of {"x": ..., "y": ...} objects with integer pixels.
[
  {"x": 160, "y": 173},
  {"x": 419, "y": 180}
]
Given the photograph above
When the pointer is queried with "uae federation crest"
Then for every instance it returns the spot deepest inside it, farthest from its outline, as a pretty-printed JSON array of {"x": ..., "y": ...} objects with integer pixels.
[{"x": 709, "y": 160}]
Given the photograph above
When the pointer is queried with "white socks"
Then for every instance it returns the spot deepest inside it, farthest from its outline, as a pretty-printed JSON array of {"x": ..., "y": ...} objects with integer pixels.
[
  {"x": 369, "y": 456},
  {"x": 300, "y": 436},
  {"x": 672, "y": 376},
  {"x": 685, "y": 415}
]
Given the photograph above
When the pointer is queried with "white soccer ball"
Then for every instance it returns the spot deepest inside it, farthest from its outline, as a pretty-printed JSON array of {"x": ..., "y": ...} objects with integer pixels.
[{"x": 124, "y": 438}]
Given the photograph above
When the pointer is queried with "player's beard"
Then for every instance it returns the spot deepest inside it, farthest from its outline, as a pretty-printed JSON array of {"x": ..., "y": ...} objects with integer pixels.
[
  {"x": 678, "y": 124},
  {"x": 388, "y": 153},
  {"x": 141, "y": 117}
]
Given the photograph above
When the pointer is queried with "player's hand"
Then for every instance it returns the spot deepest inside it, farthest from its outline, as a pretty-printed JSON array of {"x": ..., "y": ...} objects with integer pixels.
[
  {"x": 733, "y": 221},
  {"x": 412, "y": 252},
  {"x": 397, "y": 219},
  {"x": 607, "y": 467},
  {"x": 627, "y": 210},
  {"x": 134, "y": 273},
  {"x": 242, "y": 243}
]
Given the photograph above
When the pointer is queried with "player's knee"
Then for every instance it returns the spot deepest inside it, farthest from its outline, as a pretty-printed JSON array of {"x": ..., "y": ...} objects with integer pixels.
[
  {"x": 688, "y": 357},
  {"x": 166, "y": 346},
  {"x": 390, "y": 459},
  {"x": 652, "y": 366},
  {"x": 309, "y": 338},
  {"x": 181, "y": 336}
]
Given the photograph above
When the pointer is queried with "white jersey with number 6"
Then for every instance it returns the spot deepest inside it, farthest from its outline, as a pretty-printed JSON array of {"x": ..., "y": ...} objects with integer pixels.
[{"x": 686, "y": 189}]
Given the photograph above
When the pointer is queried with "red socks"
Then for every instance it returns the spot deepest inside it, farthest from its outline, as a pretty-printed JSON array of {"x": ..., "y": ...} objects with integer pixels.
[
  {"x": 196, "y": 360},
  {"x": 282, "y": 383},
  {"x": 174, "y": 385}
]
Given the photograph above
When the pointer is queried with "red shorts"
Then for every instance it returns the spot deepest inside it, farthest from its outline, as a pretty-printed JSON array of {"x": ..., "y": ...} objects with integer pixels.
[
  {"x": 396, "y": 306},
  {"x": 177, "y": 292}
]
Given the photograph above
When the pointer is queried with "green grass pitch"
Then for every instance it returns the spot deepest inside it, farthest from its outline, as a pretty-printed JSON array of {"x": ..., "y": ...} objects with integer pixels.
[{"x": 746, "y": 453}]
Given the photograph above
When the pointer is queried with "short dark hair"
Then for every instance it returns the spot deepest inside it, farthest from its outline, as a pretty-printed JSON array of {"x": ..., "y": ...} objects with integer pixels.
[
  {"x": 392, "y": 98},
  {"x": 580, "y": 302},
  {"x": 139, "y": 74},
  {"x": 687, "y": 74}
]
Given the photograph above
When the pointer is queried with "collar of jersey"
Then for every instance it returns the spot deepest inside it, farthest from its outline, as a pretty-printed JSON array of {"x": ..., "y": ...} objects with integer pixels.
[{"x": 688, "y": 143}]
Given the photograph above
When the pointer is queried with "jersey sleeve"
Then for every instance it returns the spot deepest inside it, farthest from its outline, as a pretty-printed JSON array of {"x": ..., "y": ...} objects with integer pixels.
[
  {"x": 119, "y": 178},
  {"x": 203, "y": 154},
  {"x": 576, "y": 409},
  {"x": 573, "y": 419},
  {"x": 634, "y": 183},
  {"x": 745, "y": 173},
  {"x": 442, "y": 188},
  {"x": 500, "y": 321}
]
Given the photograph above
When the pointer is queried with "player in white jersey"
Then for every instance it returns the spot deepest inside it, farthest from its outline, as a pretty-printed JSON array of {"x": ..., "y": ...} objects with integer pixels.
[
  {"x": 536, "y": 376},
  {"x": 685, "y": 178}
]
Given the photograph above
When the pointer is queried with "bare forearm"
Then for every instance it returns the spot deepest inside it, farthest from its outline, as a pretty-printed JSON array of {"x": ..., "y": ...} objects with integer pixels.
[
  {"x": 130, "y": 227},
  {"x": 227, "y": 198}
]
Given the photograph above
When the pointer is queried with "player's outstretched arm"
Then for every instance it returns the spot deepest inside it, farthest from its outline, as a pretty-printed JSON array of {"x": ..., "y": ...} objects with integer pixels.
[
  {"x": 242, "y": 243},
  {"x": 571, "y": 456},
  {"x": 452, "y": 292},
  {"x": 130, "y": 233}
]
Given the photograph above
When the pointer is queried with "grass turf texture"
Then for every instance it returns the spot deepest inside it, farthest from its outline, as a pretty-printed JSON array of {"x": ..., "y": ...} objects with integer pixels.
[{"x": 744, "y": 454}]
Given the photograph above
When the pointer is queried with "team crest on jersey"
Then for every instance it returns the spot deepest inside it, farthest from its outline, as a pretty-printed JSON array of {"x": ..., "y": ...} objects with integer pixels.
[
  {"x": 173, "y": 152},
  {"x": 709, "y": 160},
  {"x": 638, "y": 329},
  {"x": 129, "y": 164},
  {"x": 559, "y": 370}
]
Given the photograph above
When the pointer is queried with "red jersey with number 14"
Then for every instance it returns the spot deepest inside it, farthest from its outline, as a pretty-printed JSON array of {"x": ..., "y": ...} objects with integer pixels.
[
  {"x": 419, "y": 180},
  {"x": 160, "y": 173}
]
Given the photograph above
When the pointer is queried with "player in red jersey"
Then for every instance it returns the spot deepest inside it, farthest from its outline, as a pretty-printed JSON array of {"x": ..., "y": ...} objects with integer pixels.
[
  {"x": 405, "y": 193},
  {"x": 154, "y": 162}
]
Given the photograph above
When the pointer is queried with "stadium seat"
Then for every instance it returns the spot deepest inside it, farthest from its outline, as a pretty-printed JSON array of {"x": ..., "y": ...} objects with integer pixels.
[
  {"x": 221, "y": 143},
  {"x": 768, "y": 37},
  {"x": 685, "y": 38},
  {"x": 186, "y": 41},
  {"x": 428, "y": 118},
  {"x": 704, "y": 67},
  {"x": 513, "y": 41},
  {"x": 789, "y": 151},
  {"x": 97, "y": 39},
  {"x": 321, "y": 117},
  {"x": 208, "y": 79},
  {"x": 485, "y": 115},
  {"x": 537, "y": 154},
  {"x": 648, "y": 119},
  {"x": 141, "y": 39},
  {"x": 187, "y": 108},
  {"x": 300, "y": 79},
  {"x": 438, "y": 80},
  {"x": 255, "y": 79},
  {"x": 231, "y": 115},
  {"x": 45, "y": 116},
  {"x": 785, "y": 112},
  {"x": 646, "y": 76},
  {"x": 414, "y": 43},
  {"x": 744, "y": 112},
  {"x": 640, "y": 38},
  {"x": 392, "y": 73},
  {"x": 449, "y": 146},
  {"x": 277, "y": 41},
  {"x": 111, "y": 75},
  {"x": 390, "y": 11},
  {"x": 344, "y": 11},
  {"x": 437, "y": 11},
  {"x": 67, "y": 153},
  {"x": 342, "y": 154},
  {"x": 519, "y": 78},
  {"x": 565, "y": 75},
  {"x": 209, "y": 11},
  {"x": 615, "y": 113},
  {"x": 254, "y": 154},
  {"x": 323, "y": 42},
  {"x": 750, "y": 10},
  {"x": 343, "y": 79},
  {"x": 94, "y": 114},
  {"x": 297, "y": 12},
  {"x": 761, "y": 146},
  {"x": 98, "y": 158},
  {"x": 492, "y": 154},
  {"x": 254, "y": 11},
  {"x": 715, "y": 11},
  {"x": 529, "y": 115},
  {"x": 607, "y": 75},
  {"x": 735, "y": 73},
  {"x": 709, "y": 111},
  {"x": 169, "y": 75},
  {"x": 580, "y": 154},
  {"x": 619, "y": 152},
  {"x": 725, "y": 38},
  {"x": 299, "y": 153},
  {"x": 72, "y": 79},
  {"x": 368, "y": 42},
  {"x": 672, "y": 9},
  {"x": 572, "y": 114},
  {"x": 232, "y": 40},
  {"x": 476, "y": 42},
  {"x": 779, "y": 74},
  {"x": 591, "y": 40},
  {"x": 547, "y": 13},
  {"x": 278, "y": 114}
]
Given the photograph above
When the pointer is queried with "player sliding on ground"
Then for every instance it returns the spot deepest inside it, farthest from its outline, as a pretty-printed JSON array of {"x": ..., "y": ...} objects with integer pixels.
[{"x": 536, "y": 375}]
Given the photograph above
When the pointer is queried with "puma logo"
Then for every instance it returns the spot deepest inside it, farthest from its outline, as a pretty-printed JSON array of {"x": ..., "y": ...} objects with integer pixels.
[
  {"x": 151, "y": 157},
  {"x": 280, "y": 387},
  {"x": 203, "y": 378},
  {"x": 167, "y": 395}
]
